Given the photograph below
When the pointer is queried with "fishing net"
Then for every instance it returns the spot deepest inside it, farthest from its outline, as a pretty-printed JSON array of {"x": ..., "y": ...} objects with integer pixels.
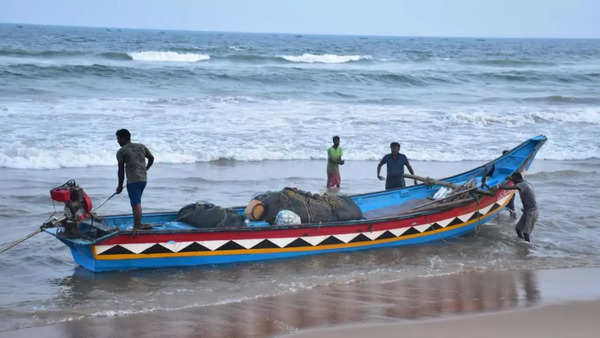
[
  {"x": 208, "y": 215},
  {"x": 312, "y": 208}
]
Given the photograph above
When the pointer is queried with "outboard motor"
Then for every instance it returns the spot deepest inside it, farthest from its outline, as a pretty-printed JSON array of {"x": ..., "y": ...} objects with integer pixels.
[{"x": 78, "y": 205}]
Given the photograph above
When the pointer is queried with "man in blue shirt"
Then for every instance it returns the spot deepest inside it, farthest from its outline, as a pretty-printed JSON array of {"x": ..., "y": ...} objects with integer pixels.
[{"x": 395, "y": 168}]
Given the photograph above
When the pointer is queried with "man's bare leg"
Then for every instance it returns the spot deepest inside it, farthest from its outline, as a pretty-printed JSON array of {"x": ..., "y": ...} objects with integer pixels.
[{"x": 137, "y": 215}]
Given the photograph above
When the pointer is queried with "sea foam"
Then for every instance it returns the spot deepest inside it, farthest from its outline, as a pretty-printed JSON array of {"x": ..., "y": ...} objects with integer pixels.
[{"x": 166, "y": 56}]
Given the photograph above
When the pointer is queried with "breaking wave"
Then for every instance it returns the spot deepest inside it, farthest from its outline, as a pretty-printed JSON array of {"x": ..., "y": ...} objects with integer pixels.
[
  {"x": 165, "y": 56},
  {"x": 589, "y": 116},
  {"x": 33, "y": 158}
]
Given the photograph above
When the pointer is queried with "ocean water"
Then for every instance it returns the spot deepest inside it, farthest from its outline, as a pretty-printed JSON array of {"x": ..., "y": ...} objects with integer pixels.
[
  {"x": 197, "y": 96},
  {"x": 229, "y": 115}
]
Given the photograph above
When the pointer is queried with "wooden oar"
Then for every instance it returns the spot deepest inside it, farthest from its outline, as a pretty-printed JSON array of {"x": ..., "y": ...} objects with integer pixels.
[
  {"x": 433, "y": 181},
  {"x": 15, "y": 243}
]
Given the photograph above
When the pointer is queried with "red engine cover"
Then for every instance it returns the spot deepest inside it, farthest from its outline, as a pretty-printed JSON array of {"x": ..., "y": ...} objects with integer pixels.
[
  {"x": 60, "y": 194},
  {"x": 88, "y": 201}
]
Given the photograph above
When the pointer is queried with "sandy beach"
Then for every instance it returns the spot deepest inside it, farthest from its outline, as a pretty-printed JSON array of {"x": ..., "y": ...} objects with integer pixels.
[
  {"x": 573, "y": 319},
  {"x": 544, "y": 303}
]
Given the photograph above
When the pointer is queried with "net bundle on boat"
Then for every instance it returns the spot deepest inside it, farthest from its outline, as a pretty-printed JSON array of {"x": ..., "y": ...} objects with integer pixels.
[
  {"x": 208, "y": 215},
  {"x": 312, "y": 208}
]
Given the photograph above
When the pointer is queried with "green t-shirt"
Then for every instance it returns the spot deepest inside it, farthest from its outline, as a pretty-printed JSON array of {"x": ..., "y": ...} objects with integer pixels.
[{"x": 334, "y": 155}]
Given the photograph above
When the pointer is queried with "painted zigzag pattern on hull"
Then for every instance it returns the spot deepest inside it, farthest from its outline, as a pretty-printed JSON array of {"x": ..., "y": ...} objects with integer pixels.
[{"x": 364, "y": 238}]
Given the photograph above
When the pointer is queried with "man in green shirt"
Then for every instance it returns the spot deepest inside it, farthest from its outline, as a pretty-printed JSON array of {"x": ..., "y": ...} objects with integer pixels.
[{"x": 334, "y": 159}]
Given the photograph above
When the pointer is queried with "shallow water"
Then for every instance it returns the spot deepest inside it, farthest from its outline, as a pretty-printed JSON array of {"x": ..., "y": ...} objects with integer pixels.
[{"x": 41, "y": 284}]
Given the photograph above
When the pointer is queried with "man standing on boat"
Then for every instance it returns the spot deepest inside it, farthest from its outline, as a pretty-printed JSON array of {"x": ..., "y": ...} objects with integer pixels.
[
  {"x": 530, "y": 214},
  {"x": 334, "y": 160},
  {"x": 132, "y": 160},
  {"x": 395, "y": 162}
]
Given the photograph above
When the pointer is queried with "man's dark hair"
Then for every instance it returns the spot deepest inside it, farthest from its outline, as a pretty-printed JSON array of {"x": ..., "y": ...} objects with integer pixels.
[
  {"x": 124, "y": 133},
  {"x": 394, "y": 144},
  {"x": 517, "y": 177},
  {"x": 504, "y": 152},
  {"x": 336, "y": 137}
]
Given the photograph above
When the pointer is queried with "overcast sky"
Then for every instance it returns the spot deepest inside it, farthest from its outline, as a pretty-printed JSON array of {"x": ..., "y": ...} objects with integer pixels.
[{"x": 500, "y": 18}]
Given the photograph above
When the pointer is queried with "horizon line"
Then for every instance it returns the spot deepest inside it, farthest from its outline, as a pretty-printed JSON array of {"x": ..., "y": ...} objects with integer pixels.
[{"x": 308, "y": 34}]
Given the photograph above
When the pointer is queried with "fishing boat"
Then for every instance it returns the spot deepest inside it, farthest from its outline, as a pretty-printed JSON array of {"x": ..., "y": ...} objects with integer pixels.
[{"x": 406, "y": 216}]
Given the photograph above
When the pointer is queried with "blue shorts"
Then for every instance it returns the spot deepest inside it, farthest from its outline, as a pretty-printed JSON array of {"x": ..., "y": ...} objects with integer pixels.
[{"x": 135, "y": 190}]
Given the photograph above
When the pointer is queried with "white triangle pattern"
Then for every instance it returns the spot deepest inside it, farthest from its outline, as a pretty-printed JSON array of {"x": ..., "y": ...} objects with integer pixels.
[
  {"x": 443, "y": 223},
  {"x": 137, "y": 247},
  {"x": 175, "y": 246},
  {"x": 248, "y": 243},
  {"x": 212, "y": 245},
  {"x": 101, "y": 248},
  {"x": 283, "y": 241},
  {"x": 485, "y": 210},
  {"x": 422, "y": 227},
  {"x": 399, "y": 231},
  {"x": 504, "y": 200},
  {"x": 466, "y": 216},
  {"x": 314, "y": 240},
  {"x": 346, "y": 237},
  {"x": 373, "y": 234}
]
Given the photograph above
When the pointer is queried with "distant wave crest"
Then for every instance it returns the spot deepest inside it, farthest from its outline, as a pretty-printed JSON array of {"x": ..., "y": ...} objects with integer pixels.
[
  {"x": 166, "y": 56},
  {"x": 508, "y": 62},
  {"x": 116, "y": 56},
  {"x": 483, "y": 118},
  {"x": 324, "y": 58},
  {"x": 39, "y": 53}
]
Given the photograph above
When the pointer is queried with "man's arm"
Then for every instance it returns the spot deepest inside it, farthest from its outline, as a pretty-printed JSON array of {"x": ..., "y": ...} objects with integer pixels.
[
  {"x": 379, "y": 170},
  {"x": 508, "y": 187},
  {"x": 121, "y": 176},
  {"x": 150, "y": 158},
  {"x": 411, "y": 171}
]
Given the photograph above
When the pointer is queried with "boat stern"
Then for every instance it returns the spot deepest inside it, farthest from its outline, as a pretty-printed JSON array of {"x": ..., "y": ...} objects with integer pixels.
[{"x": 81, "y": 249}]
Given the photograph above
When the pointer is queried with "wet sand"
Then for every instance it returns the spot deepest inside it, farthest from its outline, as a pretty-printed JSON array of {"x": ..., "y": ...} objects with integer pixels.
[
  {"x": 549, "y": 303},
  {"x": 572, "y": 320}
]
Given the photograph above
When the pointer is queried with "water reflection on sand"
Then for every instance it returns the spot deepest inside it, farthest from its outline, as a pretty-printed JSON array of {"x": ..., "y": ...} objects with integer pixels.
[{"x": 327, "y": 306}]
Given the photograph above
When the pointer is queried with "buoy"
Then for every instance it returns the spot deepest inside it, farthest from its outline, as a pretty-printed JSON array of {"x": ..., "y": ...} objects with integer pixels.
[{"x": 254, "y": 210}]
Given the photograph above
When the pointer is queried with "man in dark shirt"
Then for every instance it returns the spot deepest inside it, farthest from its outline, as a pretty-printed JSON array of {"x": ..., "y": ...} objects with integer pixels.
[
  {"x": 530, "y": 214},
  {"x": 132, "y": 160},
  {"x": 395, "y": 168}
]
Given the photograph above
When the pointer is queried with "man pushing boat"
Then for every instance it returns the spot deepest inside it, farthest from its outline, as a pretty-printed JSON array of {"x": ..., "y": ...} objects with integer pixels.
[
  {"x": 132, "y": 160},
  {"x": 530, "y": 214},
  {"x": 395, "y": 162}
]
